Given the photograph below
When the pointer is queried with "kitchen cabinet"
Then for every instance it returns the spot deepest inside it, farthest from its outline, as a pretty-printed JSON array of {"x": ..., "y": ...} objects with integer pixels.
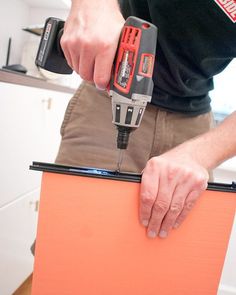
[
  {"x": 18, "y": 222},
  {"x": 30, "y": 120}
]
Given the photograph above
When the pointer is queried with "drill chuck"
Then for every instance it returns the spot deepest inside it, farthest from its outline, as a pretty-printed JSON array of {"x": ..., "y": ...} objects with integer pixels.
[{"x": 123, "y": 137}]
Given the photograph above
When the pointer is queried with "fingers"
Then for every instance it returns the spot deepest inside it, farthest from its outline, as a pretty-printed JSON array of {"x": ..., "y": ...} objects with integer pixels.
[
  {"x": 70, "y": 48},
  {"x": 161, "y": 205},
  {"x": 66, "y": 52},
  {"x": 175, "y": 209},
  {"x": 168, "y": 193},
  {"x": 89, "y": 42},
  {"x": 92, "y": 63},
  {"x": 183, "y": 200},
  {"x": 148, "y": 194},
  {"x": 102, "y": 70},
  {"x": 190, "y": 202},
  {"x": 86, "y": 63}
]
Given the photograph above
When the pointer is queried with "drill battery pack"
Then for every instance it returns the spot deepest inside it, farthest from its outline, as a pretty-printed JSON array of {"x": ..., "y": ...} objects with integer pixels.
[{"x": 50, "y": 55}]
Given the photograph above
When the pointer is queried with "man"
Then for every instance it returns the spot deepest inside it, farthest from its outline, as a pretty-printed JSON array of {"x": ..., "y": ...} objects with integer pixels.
[{"x": 175, "y": 147}]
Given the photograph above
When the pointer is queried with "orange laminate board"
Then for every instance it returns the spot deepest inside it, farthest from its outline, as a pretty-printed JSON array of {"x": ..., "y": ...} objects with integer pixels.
[{"x": 90, "y": 242}]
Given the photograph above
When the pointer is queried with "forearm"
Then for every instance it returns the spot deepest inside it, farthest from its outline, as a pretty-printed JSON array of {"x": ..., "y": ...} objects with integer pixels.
[{"x": 215, "y": 146}]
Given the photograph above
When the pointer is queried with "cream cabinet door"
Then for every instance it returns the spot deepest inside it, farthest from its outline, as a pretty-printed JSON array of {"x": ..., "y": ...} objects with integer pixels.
[
  {"x": 17, "y": 233},
  {"x": 30, "y": 120},
  {"x": 27, "y": 117}
]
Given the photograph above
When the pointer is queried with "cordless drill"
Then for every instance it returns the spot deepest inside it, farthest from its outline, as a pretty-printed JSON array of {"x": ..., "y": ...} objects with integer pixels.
[{"x": 131, "y": 82}]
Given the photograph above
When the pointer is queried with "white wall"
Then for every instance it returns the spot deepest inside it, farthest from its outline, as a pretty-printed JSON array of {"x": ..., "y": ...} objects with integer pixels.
[
  {"x": 224, "y": 102},
  {"x": 39, "y": 15},
  {"x": 14, "y": 15},
  {"x": 223, "y": 96}
]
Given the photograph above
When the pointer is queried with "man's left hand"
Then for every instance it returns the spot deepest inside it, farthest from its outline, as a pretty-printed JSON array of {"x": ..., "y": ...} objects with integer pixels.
[{"x": 171, "y": 185}]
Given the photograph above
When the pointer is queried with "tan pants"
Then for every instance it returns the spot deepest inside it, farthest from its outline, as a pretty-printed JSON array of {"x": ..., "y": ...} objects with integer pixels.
[{"x": 89, "y": 137}]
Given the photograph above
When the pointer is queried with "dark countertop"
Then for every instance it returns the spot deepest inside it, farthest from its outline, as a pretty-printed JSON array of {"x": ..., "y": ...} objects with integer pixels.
[{"x": 23, "y": 79}]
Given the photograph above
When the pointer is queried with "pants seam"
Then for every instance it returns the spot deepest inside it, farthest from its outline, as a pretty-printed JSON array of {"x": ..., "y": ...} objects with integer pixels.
[{"x": 154, "y": 134}]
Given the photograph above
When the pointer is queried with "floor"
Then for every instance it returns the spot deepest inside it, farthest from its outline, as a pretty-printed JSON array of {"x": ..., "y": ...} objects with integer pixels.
[{"x": 25, "y": 288}]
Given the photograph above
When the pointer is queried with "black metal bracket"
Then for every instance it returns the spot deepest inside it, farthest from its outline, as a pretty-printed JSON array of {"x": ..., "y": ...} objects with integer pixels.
[{"x": 114, "y": 175}]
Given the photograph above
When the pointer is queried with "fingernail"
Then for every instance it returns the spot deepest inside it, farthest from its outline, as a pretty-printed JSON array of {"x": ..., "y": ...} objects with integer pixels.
[
  {"x": 176, "y": 225},
  {"x": 163, "y": 234},
  {"x": 145, "y": 223},
  {"x": 99, "y": 88},
  {"x": 152, "y": 234}
]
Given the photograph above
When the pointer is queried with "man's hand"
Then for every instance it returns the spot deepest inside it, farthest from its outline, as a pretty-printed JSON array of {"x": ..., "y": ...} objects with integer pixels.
[
  {"x": 171, "y": 185},
  {"x": 172, "y": 182},
  {"x": 90, "y": 39}
]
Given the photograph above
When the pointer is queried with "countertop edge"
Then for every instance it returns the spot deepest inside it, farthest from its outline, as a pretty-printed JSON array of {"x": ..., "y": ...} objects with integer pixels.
[{"x": 25, "y": 80}]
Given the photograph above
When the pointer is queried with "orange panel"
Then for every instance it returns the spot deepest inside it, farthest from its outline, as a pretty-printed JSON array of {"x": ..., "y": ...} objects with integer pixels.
[{"x": 90, "y": 242}]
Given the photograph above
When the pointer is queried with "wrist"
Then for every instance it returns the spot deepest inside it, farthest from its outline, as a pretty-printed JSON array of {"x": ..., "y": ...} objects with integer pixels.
[
  {"x": 94, "y": 4},
  {"x": 210, "y": 149},
  {"x": 96, "y": 10},
  {"x": 201, "y": 151}
]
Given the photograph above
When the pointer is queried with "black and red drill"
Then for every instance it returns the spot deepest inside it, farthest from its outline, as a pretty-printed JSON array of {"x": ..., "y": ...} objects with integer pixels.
[{"x": 131, "y": 82}]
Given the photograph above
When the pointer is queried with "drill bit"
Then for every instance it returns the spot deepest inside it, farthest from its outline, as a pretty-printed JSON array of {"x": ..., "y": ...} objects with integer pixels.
[{"x": 120, "y": 158}]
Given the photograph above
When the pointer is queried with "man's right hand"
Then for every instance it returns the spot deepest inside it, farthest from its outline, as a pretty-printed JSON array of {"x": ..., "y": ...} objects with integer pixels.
[{"x": 90, "y": 39}]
